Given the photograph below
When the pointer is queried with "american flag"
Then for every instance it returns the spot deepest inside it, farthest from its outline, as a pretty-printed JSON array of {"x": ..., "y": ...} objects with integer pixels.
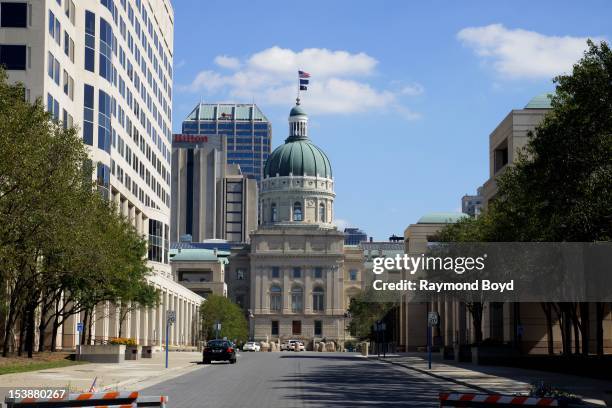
[{"x": 303, "y": 74}]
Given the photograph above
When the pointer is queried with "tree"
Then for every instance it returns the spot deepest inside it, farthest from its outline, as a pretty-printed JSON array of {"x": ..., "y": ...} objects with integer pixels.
[
  {"x": 560, "y": 188},
  {"x": 365, "y": 312},
  {"x": 219, "y": 309},
  {"x": 64, "y": 249}
]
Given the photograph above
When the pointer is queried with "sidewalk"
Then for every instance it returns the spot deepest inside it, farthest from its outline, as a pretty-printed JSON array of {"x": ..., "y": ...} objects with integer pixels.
[
  {"x": 130, "y": 375},
  {"x": 506, "y": 380}
]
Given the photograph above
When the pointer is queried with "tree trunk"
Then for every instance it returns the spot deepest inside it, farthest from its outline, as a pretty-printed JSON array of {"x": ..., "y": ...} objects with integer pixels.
[
  {"x": 22, "y": 332},
  {"x": 30, "y": 329},
  {"x": 576, "y": 334},
  {"x": 477, "y": 321},
  {"x": 599, "y": 331},
  {"x": 567, "y": 328},
  {"x": 90, "y": 329},
  {"x": 8, "y": 330},
  {"x": 55, "y": 329},
  {"x": 585, "y": 327},
  {"x": 547, "y": 308},
  {"x": 85, "y": 327}
]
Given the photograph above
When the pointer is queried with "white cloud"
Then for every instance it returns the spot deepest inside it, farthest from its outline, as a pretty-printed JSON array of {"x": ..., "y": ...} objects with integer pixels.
[
  {"x": 517, "y": 53},
  {"x": 180, "y": 64},
  {"x": 341, "y": 224},
  {"x": 270, "y": 76},
  {"x": 320, "y": 61},
  {"x": 227, "y": 62},
  {"x": 414, "y": 89}
]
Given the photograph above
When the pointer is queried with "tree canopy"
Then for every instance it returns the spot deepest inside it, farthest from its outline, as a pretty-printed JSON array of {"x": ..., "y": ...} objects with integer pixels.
[
  {"x": 219, "y": 309},
  {"x": 63, "y": 247}
]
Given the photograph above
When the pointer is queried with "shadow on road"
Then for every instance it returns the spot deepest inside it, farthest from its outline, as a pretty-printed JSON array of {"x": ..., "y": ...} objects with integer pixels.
[{"x": 353, "y": 385}]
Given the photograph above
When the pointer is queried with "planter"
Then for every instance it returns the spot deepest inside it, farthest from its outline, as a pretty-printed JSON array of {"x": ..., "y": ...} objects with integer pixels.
[
  {"x": 463, "y": 353},
  {"x": 493, "y": 355},
  {"x": 364, "y": 349},
  {"x": 102, "y": 353},
  {"x": 147, "y": 352},
  {"x": 447, "y": 352},
  {"x": 133, "y": 352}
]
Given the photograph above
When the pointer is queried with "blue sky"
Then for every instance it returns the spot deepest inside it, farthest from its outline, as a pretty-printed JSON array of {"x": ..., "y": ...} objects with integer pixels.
[{"x": 404, "y": 94}]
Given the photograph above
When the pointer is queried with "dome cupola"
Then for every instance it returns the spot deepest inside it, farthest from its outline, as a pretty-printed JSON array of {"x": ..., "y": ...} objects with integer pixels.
[
  {"x": 298, "y": 188},
  {"x": 298, "y": 156}
]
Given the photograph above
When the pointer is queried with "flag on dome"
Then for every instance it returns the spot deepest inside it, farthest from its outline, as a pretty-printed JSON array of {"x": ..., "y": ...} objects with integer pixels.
[{"x": 303, "y": 77}]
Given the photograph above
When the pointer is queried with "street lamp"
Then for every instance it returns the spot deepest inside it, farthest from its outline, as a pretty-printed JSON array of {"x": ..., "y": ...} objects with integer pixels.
[
  {"x": 251, "y": 328},
  {"x": 346, "y": 314}
]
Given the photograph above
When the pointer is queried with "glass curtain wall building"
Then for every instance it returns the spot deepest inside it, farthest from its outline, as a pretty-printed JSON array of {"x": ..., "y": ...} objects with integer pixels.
[
  {"x": 246, "y": 129},
  {"x": 105, "y": 67}
]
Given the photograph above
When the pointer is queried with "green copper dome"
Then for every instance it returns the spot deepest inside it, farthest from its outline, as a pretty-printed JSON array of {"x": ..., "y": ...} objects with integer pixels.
[
  {"x": 297, "y": 110},
  {"x": 298, "y": 156},
  {"x": 441, "y": 218}
]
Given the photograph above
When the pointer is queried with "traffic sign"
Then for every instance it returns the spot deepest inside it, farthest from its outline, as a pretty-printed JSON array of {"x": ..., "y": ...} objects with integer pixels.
[
  {"x": 171, "y": 316},
  {"x": 80, "y": 327},
  {"x": 433, "y": 319}
]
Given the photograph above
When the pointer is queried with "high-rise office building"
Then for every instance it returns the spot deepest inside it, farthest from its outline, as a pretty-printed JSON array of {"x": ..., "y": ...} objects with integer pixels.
[
  {"x": 353, "y": 236},
  {"x": 211, "y": 199},
  {"x": 247, "y": 131},
  {"x": 106, "y": 67},
  {"x": 472, "y": 204}
]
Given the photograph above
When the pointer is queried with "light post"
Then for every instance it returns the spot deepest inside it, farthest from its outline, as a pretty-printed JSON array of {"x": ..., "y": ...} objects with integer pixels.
[
  {"x": 170, "y": 319},
  {"x": 346, "y": 314},
  {"x": 251, "y": 328}
]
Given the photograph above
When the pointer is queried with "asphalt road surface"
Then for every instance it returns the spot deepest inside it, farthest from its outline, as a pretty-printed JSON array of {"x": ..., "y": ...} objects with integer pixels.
[{"x": 304, "y": 379}]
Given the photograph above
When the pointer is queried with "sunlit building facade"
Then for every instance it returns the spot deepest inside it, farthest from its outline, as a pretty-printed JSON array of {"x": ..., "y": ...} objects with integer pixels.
[{"x": 105, "y": 67}]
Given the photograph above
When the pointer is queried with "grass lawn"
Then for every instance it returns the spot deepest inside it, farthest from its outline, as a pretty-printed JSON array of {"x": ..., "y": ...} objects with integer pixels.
[{"x": 40, "y": 361}]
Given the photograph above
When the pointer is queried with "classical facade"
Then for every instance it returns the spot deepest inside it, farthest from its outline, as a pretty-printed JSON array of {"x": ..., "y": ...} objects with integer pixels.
[{"x": 301, "y": 277}]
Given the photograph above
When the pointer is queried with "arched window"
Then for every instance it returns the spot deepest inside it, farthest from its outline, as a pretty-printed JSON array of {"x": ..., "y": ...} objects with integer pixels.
[
  {"x": 322, "y": 212},
  {"x": 297, "y": 211},
  {"x": 297, "y": 299},
  {"x": 318, "y": 299},
  {"x": 276, "y": 299},
  {"x": 273, "y": 213}
]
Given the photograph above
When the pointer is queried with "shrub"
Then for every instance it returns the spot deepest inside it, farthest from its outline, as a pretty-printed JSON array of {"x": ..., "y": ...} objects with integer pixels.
[{"x": 122, "y": 340}]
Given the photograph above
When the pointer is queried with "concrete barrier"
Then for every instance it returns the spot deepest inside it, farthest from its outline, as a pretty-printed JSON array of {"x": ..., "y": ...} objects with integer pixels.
[
  {"x": 455, "y": 399},
  {"x": 102, "y": 353},
  {"x": 123, "y": 399}
]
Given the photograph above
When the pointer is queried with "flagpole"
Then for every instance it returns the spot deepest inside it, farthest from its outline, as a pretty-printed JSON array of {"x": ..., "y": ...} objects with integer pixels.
[{"x": 298, "y": 90}]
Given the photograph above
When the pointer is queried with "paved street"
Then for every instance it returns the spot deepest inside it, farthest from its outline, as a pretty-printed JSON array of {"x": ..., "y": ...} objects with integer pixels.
[{"x": 302, "y": 379}]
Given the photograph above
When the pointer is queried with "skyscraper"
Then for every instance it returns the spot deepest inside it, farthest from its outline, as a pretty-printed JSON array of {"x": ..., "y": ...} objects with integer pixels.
[
  {"x": 211, "y": 199},
  {"x": 353, "y": 236},
  {"x": 106, "y": 67},
  {"x": 247, "y": 132}
]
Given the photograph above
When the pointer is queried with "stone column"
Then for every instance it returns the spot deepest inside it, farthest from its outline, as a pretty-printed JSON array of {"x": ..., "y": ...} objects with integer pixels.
[
  {"x": 135, "y": 325},
  {"x": 286, "y": 291},
  {"x": 179, "y": 321},
  {"x": 308, "y": 306},
  {"x": 144, "y": 326}
]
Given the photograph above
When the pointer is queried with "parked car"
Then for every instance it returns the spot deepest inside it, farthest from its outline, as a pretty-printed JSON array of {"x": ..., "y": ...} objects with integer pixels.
[
  {"x": 296, "y": 345},
  {"x": 284, "y": 346},
  {"x": 219, "y": 350},
  {"x": 251, "y": 346}
]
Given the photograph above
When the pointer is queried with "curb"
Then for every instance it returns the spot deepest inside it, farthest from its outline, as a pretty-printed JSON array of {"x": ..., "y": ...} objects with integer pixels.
[
  {"x": 167, "y": 375},
  {"x": 439, "y": 377}
]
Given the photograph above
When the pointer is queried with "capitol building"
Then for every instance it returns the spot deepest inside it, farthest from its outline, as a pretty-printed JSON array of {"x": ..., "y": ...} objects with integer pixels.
[{"x": 302, "y": 276}]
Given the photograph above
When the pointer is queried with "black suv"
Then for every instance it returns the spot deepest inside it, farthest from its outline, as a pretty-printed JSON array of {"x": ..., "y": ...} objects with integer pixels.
[{"x": 219, "y": 350}]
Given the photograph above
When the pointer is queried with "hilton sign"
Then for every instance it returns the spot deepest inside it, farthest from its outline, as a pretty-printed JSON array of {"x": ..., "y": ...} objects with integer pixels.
[{"x": 192, "y": 139}]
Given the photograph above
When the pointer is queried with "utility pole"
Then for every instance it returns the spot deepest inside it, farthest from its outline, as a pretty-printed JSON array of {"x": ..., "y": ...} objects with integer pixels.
[{"x": 170, "y": 319}]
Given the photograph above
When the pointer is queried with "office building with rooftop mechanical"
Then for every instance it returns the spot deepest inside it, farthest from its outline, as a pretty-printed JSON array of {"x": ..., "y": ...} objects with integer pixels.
[{"x": 246, "y": 130}]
